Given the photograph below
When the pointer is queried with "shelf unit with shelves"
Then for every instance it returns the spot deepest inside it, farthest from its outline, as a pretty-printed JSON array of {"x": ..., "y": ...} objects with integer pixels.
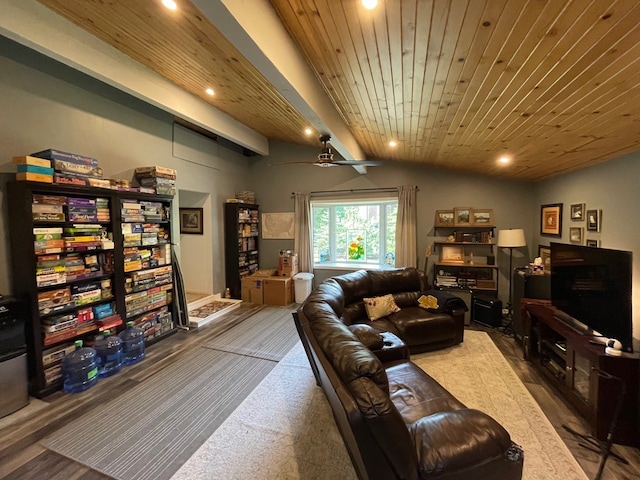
[
  {"x": 577, "y": 365},
  {"x": 67, "y": 245},
  {"x": 466, "y": 258},
  {"x": 241, "y": 231}
]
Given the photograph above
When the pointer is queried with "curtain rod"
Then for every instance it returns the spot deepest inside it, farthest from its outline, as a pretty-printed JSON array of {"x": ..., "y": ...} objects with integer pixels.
[{"x": 354, "y": 190}]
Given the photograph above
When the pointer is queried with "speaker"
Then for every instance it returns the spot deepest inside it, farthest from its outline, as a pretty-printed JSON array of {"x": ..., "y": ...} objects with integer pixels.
[{"x": 486, "y": 310}]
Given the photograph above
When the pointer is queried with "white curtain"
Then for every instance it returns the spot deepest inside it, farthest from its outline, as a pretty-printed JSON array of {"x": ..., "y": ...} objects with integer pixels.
[
  {"x": 406, "y": 229},
  {"x": 302, "y": 237}
]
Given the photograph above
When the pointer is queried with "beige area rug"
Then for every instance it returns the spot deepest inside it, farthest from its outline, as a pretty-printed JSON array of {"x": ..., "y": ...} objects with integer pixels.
[
  {"x": 479, "y": 376},
  {"x": 285, "y": 429}
]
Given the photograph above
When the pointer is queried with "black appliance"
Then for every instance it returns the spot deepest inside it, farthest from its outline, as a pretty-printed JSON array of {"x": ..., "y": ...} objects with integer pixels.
[
  {"x": 486, "y": 310},
  {"x": 526, "y": 285},
  {"x": 13, "y": 357}
]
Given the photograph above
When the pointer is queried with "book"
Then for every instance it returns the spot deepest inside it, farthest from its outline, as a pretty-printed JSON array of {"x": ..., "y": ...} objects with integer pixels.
[
  {"x": 35, "y": 169},
  {"x": 53, "y": 154},
  {"x": 49, "y": 199},
  {"x": 29, "y": 160},
  {"x": 34, "y": 177},
  {"x": 66, "y": 179}
]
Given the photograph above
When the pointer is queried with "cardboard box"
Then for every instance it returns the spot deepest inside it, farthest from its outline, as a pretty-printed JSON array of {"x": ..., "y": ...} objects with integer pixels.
[
  {"x": 278, "y": 291},
  {"x": 288, "y": 265},
  {"x": 252, "y": 288}
]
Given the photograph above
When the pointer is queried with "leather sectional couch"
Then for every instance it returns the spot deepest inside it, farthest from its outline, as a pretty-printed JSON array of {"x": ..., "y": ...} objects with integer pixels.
[{"x": 396, "y": 421}]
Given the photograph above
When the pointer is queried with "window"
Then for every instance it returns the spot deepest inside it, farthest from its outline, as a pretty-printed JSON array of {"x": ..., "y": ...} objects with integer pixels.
[{"x": 354, "y": 234}]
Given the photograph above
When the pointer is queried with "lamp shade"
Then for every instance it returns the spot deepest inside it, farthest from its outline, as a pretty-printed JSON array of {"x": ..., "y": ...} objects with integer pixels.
[{"x": 514, "y": 237}]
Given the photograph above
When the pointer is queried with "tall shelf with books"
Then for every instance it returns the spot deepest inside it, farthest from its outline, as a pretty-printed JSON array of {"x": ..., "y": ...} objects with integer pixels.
[
  {"x": 68, "y": 257},
  {"x": 145, "y": 295},
  {"x": 241, "y": 230}
]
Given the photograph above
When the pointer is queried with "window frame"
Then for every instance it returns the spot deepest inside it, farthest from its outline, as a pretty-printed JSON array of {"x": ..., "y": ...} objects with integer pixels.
[{"x": 333, "y": 203}]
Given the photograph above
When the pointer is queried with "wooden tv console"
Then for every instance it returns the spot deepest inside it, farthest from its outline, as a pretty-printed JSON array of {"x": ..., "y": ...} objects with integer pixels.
[{"x": 578, "y": 366}]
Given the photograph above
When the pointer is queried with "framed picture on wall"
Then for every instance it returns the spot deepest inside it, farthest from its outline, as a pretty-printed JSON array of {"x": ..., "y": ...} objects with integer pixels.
[
  {"x": 482, "y": 216},
  {"x": 444, "y": 218},
  {"x": 593, "y": 220},
  {"x": 577, "y": 211},
  {"x": 191, "y": 220},
  {"x": 452, "y": 254},
  {"x": 551, "y": 219},
  {"x": 575, "y": 235},
  {"x": 592, "y": 242}
]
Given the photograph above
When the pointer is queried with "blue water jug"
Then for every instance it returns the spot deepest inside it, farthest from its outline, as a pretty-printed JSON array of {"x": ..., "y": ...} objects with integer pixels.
[
  {"x": 132, "y": 344},
  {"x": 109, "y": 350},
  {"x": 80, "y": 369}
]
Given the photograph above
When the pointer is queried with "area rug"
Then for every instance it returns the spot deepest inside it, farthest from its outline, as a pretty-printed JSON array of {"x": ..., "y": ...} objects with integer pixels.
[
  {"x": 479, "y": 376},
  {"x": 287, "y": 425},
  {"x": 156, "y": 426},
  {"x": 268, "y": 334}
]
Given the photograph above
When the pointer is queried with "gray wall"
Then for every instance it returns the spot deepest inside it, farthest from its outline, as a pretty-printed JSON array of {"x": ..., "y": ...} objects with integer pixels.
[{"x": 47, "y": 105}]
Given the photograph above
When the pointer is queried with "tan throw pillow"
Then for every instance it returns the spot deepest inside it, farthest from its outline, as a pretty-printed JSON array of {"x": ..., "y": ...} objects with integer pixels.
[{"x": 378, "y": 307}]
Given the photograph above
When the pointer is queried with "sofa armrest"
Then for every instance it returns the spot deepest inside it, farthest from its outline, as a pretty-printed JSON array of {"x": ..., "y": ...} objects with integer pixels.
[{"x": 458, "y": 440}]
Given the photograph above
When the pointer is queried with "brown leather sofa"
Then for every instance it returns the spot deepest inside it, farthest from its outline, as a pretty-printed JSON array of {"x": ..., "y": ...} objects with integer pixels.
[{"x": 396, "y": 421}]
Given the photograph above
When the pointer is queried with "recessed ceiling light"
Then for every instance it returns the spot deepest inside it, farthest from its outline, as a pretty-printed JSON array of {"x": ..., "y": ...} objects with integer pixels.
[
  {"x": 392, "y": 143},
  {"x": 504, "y": 160},
  {"x": 369, "y": 4},
  {"x": 170, "y": 4},
  {"x": 209, "y": 91},
  {"x": 308, "y": 131}
]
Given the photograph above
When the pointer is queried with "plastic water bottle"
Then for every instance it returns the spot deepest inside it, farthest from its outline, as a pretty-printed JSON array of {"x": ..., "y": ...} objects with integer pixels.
[
  {"x": 80, "y": 369},
  {"x": 109, "y": 350},
  {"x": 132, "y": 344}
]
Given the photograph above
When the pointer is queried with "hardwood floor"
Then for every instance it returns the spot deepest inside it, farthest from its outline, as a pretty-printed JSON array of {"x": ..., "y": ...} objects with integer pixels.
[{"x": 22, "y": 457}]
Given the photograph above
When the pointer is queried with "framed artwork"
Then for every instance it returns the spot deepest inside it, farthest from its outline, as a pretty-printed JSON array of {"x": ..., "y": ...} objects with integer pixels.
[
  {"x": 191, "y": 220},
  {"x": 482, "y": 216},
  {"x": 452, "y": 254},
  {"x": 575, "y": 235},
  {"x": 444, "y": 218},
  {"x": 592, "y": 242},
  {"x": 577, "y": 211},
  {"x": 593, "y": 220},
  {"x": 551, "y": 219},
  {"x": 544, "y": 252},
  {"x": 462, "y": 216}
]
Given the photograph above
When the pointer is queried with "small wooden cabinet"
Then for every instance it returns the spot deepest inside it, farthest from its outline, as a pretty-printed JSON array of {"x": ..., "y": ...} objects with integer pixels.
[
  {"x": 466, "y": 259},
  {"x": 581, "y": 370},
  {"x": 241, "y": 230}
]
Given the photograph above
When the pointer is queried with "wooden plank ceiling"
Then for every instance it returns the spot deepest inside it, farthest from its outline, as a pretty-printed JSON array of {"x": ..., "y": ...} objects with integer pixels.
[{"x": 456, "y": 83}]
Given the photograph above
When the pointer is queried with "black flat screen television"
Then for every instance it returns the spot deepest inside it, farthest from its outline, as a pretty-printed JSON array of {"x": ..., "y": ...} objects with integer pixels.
[{"x": 594, "y": 286}]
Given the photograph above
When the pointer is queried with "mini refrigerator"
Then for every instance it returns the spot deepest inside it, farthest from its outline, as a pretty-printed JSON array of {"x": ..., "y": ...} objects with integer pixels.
[{"x": 14, "y": 377}]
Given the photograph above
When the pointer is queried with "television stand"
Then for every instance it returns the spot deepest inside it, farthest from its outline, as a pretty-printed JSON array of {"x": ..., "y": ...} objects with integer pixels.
[{"x": 583, "y": 374}]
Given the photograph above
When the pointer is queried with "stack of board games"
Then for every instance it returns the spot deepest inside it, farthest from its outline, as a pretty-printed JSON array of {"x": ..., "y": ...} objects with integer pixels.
[
  {"x": 74, "y": 169},
  {"x": 161, "y": 179},
  {"x": 155, "y": 323},
  {"x": 33, "y": 169}
]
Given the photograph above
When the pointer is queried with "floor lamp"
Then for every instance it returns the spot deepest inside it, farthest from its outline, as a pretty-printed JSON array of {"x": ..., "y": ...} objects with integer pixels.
[{"x": 512, "y": 238}]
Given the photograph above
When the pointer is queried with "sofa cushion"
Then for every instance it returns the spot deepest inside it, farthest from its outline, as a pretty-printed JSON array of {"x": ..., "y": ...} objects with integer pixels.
[
  {"x": 416, "y": 394},
  {"x": 369, "y": 336},
  {"x": 392, "y": 281},
  {"x": 378, "y": 307},
  {"x": 355, "y": 285},
  {"x": 453, "y": 441}
]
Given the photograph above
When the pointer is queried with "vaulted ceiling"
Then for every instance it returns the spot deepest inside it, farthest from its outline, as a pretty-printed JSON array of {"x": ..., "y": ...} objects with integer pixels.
[{"x": 553, "y": 84}]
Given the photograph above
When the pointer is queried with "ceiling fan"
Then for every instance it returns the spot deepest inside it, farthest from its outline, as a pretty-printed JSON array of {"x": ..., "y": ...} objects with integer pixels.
[{"x": 325, "y": 158}]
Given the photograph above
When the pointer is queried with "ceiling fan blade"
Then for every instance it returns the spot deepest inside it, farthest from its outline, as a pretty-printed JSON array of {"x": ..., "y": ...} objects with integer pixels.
[
  {"x": 290, "y": 163},
  {"x": 362, "y": 163}
]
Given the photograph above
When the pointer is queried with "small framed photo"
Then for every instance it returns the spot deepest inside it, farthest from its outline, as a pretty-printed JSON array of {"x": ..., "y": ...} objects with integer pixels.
[
  {"x": 452, "y": 254},
  {"x": 592, "y": 242},
  {"x": 462, "y": 216},
  {"x": 544, "y": 252},
  {"x": 444, "y": 218},
  {"x": 551, "y": 219},
  {"x": 575, "y": 235},
  {"x": 593, "y": 220},
  {"x": 482, "y": 216},
  {"x": 577, "y": 211},
  {"x": 191, "y": 220}
]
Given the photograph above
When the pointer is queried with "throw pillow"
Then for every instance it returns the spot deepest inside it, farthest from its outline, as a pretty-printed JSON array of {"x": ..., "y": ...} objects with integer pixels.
[
  {"x": 369, "y": 336},
  {"x": 378, "y": 307}
]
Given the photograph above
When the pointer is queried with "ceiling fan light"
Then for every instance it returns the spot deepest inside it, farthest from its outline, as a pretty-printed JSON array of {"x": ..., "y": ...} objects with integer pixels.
[
  {"x": 170, "y": 4},
  {"x": 369, "y": 4}
]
